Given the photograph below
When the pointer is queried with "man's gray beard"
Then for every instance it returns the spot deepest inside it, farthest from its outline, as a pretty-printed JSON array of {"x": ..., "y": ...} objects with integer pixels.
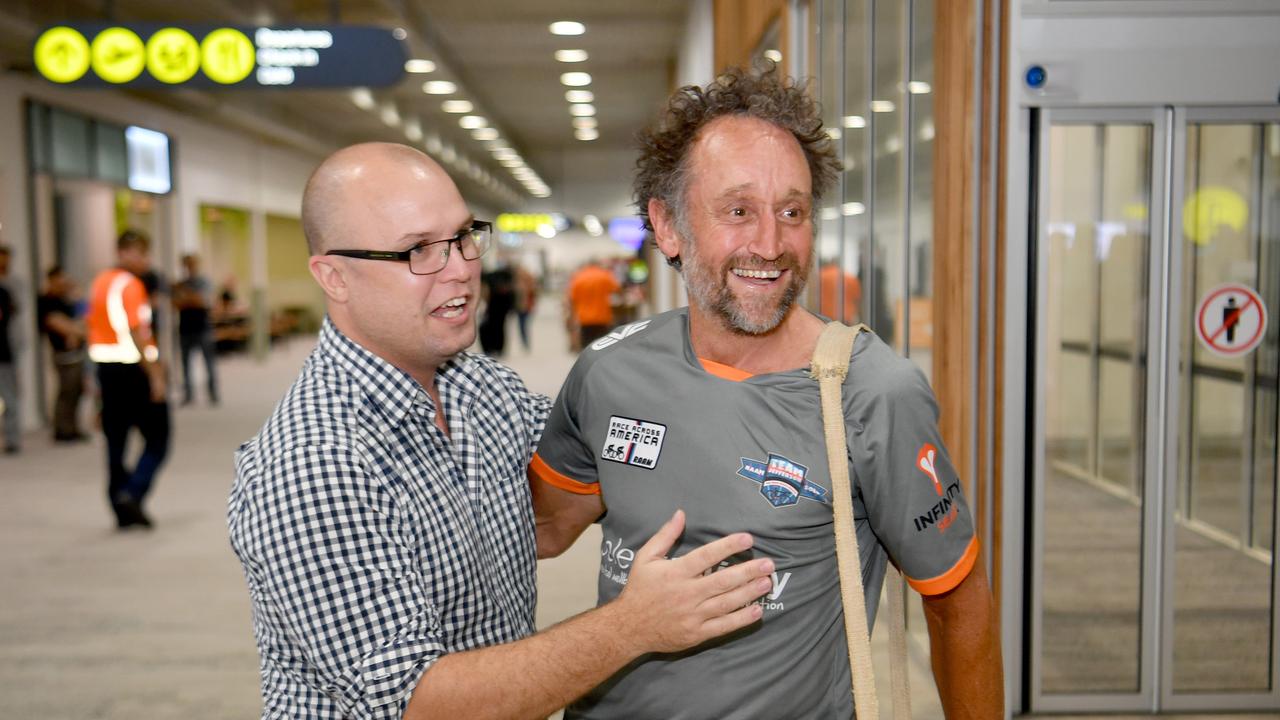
[{"x": 722, "y": 303}]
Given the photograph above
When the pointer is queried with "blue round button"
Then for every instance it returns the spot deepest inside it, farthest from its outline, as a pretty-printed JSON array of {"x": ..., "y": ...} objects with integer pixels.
[{"x": 1036, "y": 76}]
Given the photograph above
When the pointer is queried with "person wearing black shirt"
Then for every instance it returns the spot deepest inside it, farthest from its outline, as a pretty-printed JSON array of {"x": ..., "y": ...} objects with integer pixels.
[
  {"x": 8, "y": 360},
  {"x": 193, "y": 297},
  {"x": 56, "y": 311}
]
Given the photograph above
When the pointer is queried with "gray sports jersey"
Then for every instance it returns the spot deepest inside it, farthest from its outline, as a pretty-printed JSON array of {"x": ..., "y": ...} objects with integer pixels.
[{"x": 658, "y": 430}]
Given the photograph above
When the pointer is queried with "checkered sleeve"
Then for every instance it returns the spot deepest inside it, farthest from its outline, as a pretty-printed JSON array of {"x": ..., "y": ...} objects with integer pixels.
[
  {"x": 339, "y": 581},
  {"x": 532, "y": 407}
]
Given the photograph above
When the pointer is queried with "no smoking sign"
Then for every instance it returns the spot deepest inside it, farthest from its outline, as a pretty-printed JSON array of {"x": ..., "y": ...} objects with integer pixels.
[{"x": 1231, "y": 320}]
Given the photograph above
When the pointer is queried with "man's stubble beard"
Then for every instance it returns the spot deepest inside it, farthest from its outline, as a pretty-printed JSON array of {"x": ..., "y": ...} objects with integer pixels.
[{"x": 711, "y": 293}]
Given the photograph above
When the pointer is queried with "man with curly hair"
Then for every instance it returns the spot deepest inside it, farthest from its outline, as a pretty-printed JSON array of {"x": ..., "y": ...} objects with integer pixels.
[{"x": 709, "y": 409}]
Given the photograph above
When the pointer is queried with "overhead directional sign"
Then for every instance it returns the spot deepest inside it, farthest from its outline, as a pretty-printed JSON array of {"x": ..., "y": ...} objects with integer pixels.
[{"x": 158, "y": 56}]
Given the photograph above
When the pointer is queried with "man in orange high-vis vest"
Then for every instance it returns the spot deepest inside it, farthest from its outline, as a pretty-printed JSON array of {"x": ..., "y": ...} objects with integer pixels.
[{"x": 130, "y": 377}]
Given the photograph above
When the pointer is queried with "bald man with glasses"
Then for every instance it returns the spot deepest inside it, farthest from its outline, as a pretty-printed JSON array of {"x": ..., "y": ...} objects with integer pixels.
[{"x": 383, "y": 514}]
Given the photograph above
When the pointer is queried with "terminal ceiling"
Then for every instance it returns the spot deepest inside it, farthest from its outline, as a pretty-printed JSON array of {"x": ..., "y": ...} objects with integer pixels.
[{"x": 500, "y": 54}]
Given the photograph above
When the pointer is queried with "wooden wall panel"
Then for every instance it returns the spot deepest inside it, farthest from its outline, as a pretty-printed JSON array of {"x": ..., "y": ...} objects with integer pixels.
[{"x": 739, "y": 26}]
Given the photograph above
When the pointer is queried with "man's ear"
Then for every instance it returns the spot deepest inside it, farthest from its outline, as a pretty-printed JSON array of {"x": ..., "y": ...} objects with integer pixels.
[
  {"x": 664, "y": 228},
  {"x": 330, "y": 275}
]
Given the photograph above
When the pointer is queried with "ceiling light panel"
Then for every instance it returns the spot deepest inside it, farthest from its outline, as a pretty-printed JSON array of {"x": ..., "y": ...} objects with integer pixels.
[
  {"x": 485, "y": 133},
  {"x": 575, "y": 79},
  {"x": 584, "y": 123},
  {"x": 586, "y": 134},
  {"x": 419, "y": 65},
  {"x": 579, "y": 96},
  {"x": 567, "y": 27},
  {"x": 582, "y": 110},
  {"x": 439, "y": 87},
  {"x": 471, "y": 122},
  {"x": 456, "y": 106},
  {"x": 571, "y": 56}
]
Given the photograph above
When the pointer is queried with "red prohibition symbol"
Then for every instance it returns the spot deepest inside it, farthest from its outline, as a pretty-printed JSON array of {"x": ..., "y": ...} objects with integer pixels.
[{"x": 1231, "y": 320}]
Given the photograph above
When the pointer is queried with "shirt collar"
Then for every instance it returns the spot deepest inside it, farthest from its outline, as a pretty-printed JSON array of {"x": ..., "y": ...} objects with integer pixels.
[{"x": 386, "y": 386}]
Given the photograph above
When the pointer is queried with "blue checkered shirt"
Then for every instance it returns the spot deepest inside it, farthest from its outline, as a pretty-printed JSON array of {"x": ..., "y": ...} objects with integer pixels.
[{"x": 371, "y": 542}]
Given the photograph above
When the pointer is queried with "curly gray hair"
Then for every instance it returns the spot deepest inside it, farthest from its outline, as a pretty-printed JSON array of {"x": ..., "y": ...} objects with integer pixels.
[{"x": 662, "y": 170}]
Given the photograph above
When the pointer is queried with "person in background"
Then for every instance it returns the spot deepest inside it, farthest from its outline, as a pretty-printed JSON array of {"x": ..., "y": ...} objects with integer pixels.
[
  {"x": 591, "y": 293},
  {"x": 499, "y": 292},
  {"x": 193, "y": 300},
  {"x": 56, "y": 311},
  {"x": 131, "y": 378},
  {"x": 526, "y": 299},
  {"x": 8, "y": 365}
]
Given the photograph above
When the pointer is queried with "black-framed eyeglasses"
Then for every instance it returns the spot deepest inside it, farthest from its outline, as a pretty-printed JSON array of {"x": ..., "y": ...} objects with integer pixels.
[{"x": 430, "y": 257}]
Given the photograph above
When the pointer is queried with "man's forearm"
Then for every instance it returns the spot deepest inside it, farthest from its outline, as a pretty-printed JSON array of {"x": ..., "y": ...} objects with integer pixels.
[
  {"x": 530, "y": 678},
  {"x": 965, "y": 650}
]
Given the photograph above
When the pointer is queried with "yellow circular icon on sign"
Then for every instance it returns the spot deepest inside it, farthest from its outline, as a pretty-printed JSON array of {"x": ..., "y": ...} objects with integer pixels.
[
  {"x": 62, "y": 54},
  {"x": 118, "y": 55},
  {"x": 173, "y": 56},
  {"x": 227, "y": 56}
]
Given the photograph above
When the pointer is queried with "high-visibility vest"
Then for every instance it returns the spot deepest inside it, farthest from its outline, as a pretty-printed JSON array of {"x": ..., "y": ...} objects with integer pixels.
[{"x": 118, "y": 304}]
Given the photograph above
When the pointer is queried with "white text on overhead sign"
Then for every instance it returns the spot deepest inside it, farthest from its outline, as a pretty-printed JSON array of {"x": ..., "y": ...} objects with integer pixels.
[
  {"x": 297, "y": 38},
  {"x": 279, "y": 51}
]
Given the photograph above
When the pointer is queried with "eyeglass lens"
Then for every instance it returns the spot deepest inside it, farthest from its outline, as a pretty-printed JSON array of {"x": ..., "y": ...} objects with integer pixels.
[{"x": 432, "y": 257}]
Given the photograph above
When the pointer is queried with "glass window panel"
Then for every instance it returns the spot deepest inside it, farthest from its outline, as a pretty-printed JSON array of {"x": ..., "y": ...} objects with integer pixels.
[
  {"x": 888, "y": 156},
  {"x": 111, "y": 157},
  {"x": 920, "y": 143},
  {"x": 38, "y": 127},
  {"x": 1222, "y": 604},
  {"x": 1096, "y": 266},
  {"x": 70, "y": 143}
]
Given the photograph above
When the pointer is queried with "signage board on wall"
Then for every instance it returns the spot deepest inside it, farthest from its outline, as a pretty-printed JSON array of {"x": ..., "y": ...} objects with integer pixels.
[
  {"x": 154, "y": 55},
  {"x": 148, "y": 160}
]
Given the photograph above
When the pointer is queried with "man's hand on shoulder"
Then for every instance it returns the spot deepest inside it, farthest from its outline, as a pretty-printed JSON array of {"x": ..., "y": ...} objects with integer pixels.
[{"x": 672, "y": 605}]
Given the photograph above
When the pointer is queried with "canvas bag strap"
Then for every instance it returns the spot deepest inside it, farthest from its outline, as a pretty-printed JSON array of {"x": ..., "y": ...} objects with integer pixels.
[{"x": 829, "y": 367}]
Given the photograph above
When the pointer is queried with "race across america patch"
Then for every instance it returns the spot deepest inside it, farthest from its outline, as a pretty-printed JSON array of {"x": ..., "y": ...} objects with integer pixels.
[{"x": 633, "y": 442}]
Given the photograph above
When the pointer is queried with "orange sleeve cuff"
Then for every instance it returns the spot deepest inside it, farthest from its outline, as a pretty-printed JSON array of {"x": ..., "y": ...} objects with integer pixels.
[
  {"x": 544, "y": 472},
  {"x": 951, "y": 578}
]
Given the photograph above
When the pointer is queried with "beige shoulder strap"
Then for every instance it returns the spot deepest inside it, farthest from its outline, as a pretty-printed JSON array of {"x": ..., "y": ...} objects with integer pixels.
[{"x": 829, "y": 367}]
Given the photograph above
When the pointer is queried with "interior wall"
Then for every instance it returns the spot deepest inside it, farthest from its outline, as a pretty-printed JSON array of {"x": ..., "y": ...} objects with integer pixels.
[{"x": 289, "y": 281}]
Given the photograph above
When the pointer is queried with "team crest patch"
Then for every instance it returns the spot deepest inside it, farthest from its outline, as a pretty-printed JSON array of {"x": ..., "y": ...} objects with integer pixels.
[
  {"x": 782, "y": 481},
  {"x": 633, "y": 442}
]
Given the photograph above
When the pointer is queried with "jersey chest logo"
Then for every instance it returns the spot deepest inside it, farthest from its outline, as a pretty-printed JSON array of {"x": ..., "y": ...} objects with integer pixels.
[
  {"x": 782, "y": 481},
  {"x": 633, "y": 442}
]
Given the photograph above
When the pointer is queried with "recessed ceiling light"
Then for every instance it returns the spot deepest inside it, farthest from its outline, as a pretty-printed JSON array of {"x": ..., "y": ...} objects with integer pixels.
[
  {"x": 575, "y": 79},
  {"x": 883, "y": 106},
  {"x": 583, "y": 110},
  {"x": 511, "y": 163},
  {"x": 419, "y": 65},
  {"x": 398, "y": 33},
  {"x": 567, "y": 27},
  {"x": 579, "y": 96},
  {"x": 919, "y": 87},
  {"x": 852, "y": 208},
  {"x": 487, "y": 133},
  {"x": 471, "y": 122},
  {"x": 571, "y": 56},
  {"x": 390, "y": 115},
  {"x": 439, "y": 87},
  {"x": 456, "y": 106},
  {"x": 586, "y": 134},
  {"x": 413, "y": 129},
  {"x": 855, "y": 121},
  {"x": 362, "y": 98},
  {"x": 773, "y": 55},
  {"x": 582, "y": 123}
]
